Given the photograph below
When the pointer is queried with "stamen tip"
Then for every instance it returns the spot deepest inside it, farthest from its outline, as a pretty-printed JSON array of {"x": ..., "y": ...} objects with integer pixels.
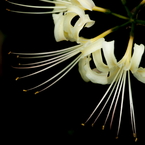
[
  {"x": 136, "y": 139},
  {"x": 8, "y": 10},
  {"x": 17, "y": 78},
  {"x": 19, "y": 63},
  {"x": 92, "y": 124},
  {"x": 83, "y": 124},
  {"x": 116, "y": 137},
  {"x": 24, "y": 90},
  {"x": 17, "y": 56},
  {"x": 103, "y": 127},
  {"x": 9, "y": 52},
  {"x": 36, "y": 92}
]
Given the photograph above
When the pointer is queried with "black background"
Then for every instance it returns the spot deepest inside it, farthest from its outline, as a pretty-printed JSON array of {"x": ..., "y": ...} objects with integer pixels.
[{"x": 55, "y": 115}]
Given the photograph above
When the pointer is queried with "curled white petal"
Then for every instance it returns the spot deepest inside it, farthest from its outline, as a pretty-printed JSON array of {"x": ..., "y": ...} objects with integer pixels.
[
  {"x": 108, "y": 49},
  {"x": 140, "y": 74},
  {"x": 98, "y": 61},
  {"x": 82, "y": 70},
  {"x": 58, "y": 29},
  {"x": 94, "y": 76},
  {"x": 136, "y": 58},
  {"x": 87, "y": 4}
]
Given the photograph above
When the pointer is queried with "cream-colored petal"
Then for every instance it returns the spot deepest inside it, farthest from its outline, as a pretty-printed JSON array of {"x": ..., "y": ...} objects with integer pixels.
[
  {"x": 94, "y": 76},
  {"x": 140, "y": 74},
  {"x": 112, "y": 74},
  {"x": 91, "y": 47},
  {"x": 82, "y": 71},
  {"x": 108, "y": 50},
  {"x": 98, "y": 61},
  {"x": 58, "y": 29},
  {"x": 88, "y": 4},
  {"x": 82, "y": 22},
  {"x": 137, "y": 56}
]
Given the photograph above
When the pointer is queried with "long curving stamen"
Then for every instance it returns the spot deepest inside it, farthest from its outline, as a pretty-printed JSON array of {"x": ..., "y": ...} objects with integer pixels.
[
  {"x": 61, "y": 8},
  {"x": 58, "y": 59},
  {"x": 105, "y": 106},
  {"x": 120, "y": 83},
  {"x": 132, "y": 109},
  {"x": 56, "y": 11},
  {"x": 118, "y": 79},
  {"x": 122, "y": 99},
  {"x": 32, "y": 6},
  {"x": 49, "y": 52},
  {"x": 102, "y": 98},
  {"x": 71, "y": 65}
]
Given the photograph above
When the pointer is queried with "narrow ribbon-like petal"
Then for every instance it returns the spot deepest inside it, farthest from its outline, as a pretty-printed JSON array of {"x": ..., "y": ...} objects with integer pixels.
[
  {"x": 94, "y": 76},
  {"x": 108, "y": 49},
  {"x": 58, "y": 29},
  {"x": 87, "y": 4},
  {"x": 139, "y": 73}
]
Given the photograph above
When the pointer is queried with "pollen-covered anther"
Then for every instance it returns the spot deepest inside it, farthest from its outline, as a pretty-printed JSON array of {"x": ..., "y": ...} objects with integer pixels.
[
  {"x": 19, "y": 63},
  {"x": 9, "y": 52},
  {"x": 116, "y": 137},
  {"x": 136, "y": 139},
  {"x": 83, "y": 124},
  {"x": 17, "y": 56},
  {"x": 92, "y": 124},
  {"x": 17, "y": 78},
  {"x": 24, "y": 90},
  {"x": 103, "y": 127},
  {"x": 8, "y": 10},
  {"x": 36, "y": 92}
]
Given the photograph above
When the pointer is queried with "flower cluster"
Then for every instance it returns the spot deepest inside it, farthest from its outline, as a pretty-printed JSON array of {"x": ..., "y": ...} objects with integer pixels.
[{"x": 112, "y": 72}]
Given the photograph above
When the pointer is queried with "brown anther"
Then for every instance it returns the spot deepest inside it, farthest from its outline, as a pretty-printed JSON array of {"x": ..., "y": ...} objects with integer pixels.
[
  {"x": 17, "y": 78},
  {"x": 36, "y": 92},
  {"x": 8, "y": 10},
  {"x": 9, "y": 52}
]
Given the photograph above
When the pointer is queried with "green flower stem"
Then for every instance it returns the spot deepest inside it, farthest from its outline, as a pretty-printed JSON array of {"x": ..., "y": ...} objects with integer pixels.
[
  {"x": 107, "y": 11},
  {"x": 126, "y": 8},
  {"x": 140, "y": 22},
  {"x": 136, "y": 9},
  {"x": 102, "y": 35}
]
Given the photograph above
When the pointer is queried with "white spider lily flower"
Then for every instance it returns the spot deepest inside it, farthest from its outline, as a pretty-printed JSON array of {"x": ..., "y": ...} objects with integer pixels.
[
  {"x": 54, "y": 58},
  {"x": 60, "y": 6},
  {"x": 66, "y": 10},
  {"x": 63, "y": 28},
  {"x": 114, "y": 73}
]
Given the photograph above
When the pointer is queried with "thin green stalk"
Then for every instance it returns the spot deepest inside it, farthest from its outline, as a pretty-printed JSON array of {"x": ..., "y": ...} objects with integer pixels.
[
  {"x": 126, "y": 8},
  {"x": 107, "y": 11}
]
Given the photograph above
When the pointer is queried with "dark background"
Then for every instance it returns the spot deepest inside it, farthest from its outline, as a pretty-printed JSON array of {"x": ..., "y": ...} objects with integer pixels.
[{"x": 55, "y": 115}]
